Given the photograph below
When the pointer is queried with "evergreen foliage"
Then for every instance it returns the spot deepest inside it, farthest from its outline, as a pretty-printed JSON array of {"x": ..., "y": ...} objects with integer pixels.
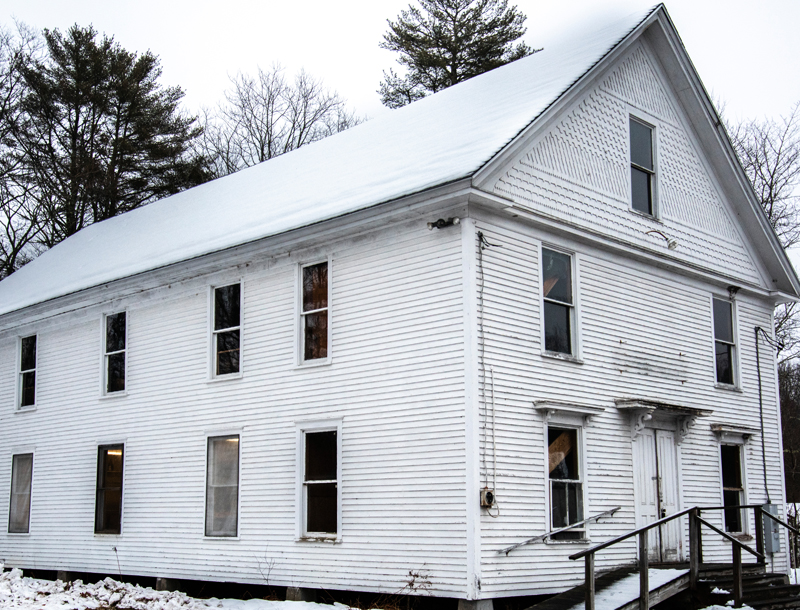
[
  {"x": 99, "y": 134},
  {"x": 447, "y": 42}
]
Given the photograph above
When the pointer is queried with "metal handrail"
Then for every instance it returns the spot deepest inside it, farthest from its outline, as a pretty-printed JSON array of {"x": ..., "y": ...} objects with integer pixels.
[{"x": 607, "y": 513}]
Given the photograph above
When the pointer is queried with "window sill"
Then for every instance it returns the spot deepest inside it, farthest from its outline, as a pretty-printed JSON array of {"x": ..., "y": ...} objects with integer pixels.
[
  {"x": 310, "y": 364},
  {"x": 112, "y": 395},
  {"x": 232, "y": 538},
  {"x": 229, "y": 377},
  {"x": 324, "y": 539},
  {"x": 25, "y": 409},
  {"x": 104, "y": 534},
  {"x": 728, "y": 387},
  {"x": 564, "y": 357},
  {"x": 558, "y": 542},
  {"x": 19, "y": 534},
  {"x": 652, "y": 217}
]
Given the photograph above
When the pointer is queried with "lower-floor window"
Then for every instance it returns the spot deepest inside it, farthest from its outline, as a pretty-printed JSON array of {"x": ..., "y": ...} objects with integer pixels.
[
  {"x": 732, "y": 488},
  {"x": 566, "y": 485},
  {"x": 19, "y": 513},
  {"x": 222, "y": 486},
  {"x": 320, "y": 484},
  {"x": 108, "y": 505}
]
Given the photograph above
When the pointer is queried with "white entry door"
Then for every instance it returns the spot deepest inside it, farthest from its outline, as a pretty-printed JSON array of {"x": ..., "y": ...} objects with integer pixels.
[{"x": 656, "y": 471}]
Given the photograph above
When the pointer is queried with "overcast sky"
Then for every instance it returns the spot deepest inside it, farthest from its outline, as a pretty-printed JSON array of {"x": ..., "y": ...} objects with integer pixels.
[{"x": 747, "y": 52}]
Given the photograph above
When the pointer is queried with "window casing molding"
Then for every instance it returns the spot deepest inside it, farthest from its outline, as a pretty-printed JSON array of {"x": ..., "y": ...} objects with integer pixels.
[
  {"x": 106, "y": 354},
  {"x": 224, "y": 333},
  {"x": 640, "y": 168},
  {"x": 725, "y": 344},
  {"x": 27, "y": 382},
  {"x": 301, "y": 532},
  {"x": 573, "y": 308},
  {"x": 222, "y": 436},
  {"x": 303, "y": 312},
  {"x": 563, "y": 420}
]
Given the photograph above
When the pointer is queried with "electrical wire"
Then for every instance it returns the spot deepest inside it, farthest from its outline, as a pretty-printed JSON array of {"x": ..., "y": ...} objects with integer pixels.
[{"x": 776, "y": 345}]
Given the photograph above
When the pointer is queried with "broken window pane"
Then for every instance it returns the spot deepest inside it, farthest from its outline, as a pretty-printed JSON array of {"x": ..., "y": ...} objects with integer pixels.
[
  {"x": 563, "y": 453},
  {"x": 227, "y": 306},
  {"x": 732, "y": 489},
  {"x": 20, "y": 509},
  {"x": 115, "y": 332},
  {"x": 28, "y": 360},
  {"x": 222, "y": 488},
  {"x": 321, "y": 498},
  {"x": 227, "y": 352},
  {"x": 557, "y": 276},
  {"x": 315, "y": 287},
  {"x": 108, "y": 507}
]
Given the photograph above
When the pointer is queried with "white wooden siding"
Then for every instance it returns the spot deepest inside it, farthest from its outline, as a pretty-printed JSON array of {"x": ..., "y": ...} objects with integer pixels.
[
  {"x": 646, "y": 333},
  {"x": 396, "y": 380}
]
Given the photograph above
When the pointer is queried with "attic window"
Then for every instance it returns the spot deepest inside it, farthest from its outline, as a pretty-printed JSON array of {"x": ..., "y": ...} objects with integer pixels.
[
  {"x": 642, "y": 167},
  {"x": 115, "y": 352},
  {"x": 314, "y": 312},
  {"x": 27, "y": 372}
]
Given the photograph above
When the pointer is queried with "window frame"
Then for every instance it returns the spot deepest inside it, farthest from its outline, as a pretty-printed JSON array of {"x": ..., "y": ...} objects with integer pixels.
[
  {"x": 735, "y": 360},
  {"x": 104, "y": 393},
  {"x": 565, "y": 421},
  {"x": 743, "y": 517},
  {"x": 212, "y": 333},
  {"x": 638, "y": 117},
  {"x": 574, "y": 309},
  {"x": 300, "y": 314},
  {"x": 15, "y": 454},
  {"x": 21, "y": 373},
  {"x": 215, "y": 435},
  {"x": 302, "y": 428},
  {"x": 109, "y": 446}
]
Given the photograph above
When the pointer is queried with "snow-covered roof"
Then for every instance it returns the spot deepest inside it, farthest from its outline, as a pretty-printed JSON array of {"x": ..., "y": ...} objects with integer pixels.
[{"x": 439, "y": 139}]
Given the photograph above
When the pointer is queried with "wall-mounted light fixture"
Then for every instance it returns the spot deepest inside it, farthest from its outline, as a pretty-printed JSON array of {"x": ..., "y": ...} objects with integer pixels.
[
  {"x": 442, "y": 223},
  {"x": 672, "y": 243}
]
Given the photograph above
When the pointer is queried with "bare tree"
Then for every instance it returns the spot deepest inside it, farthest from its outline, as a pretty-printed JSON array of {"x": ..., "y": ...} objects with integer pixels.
[
  {"x": 770, "y": 154},
  {"x": 264, "y": 116}
]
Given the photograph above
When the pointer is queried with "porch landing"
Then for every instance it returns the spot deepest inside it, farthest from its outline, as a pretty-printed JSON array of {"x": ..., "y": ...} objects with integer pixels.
[{"x": 619, "y": 590}]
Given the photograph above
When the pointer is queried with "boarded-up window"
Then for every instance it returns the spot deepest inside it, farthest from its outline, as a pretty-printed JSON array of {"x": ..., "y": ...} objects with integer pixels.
[
  {"x": 19, "y": 514},
  {"x": 27, "y": 372},
  {"x": 227, "y": 328},
  {"x": 108, "y": 506},
  {"x": 642, "y": 168},
  {"x": 724, "y": 344},
  {"x": 115, "y": 352},
  {"x": 732, "y": 488},
  {"x": 566, "y": 488},
  {"x": 314, "y": 313},
  {"x": 222, "y": 488},
  {"x": 558, "y": 301},
  {"x": 320, "y": 483}
]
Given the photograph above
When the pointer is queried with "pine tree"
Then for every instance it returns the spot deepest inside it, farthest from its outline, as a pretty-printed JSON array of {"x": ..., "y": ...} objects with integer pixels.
[
  {"x": 101, "y": 136},
  {"x": 447, "y": 42}
]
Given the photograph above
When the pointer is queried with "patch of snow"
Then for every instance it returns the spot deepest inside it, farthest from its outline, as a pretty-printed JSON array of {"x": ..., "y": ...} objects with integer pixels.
[
  {"x": 722, "y": 591},
  {"x": 627, "y": 589},
  {"x": 725, "y": 607},
  {"x": 21, "y": 593},
  {"x": 437, "y": 140}
]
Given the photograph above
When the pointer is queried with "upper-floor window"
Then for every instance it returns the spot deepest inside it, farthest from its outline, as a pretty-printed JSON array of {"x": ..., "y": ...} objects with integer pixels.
[
  {"x": 642, "y": 167},
  {"x": 108, "y": 503},
  {"x": 314, "y": 312},
  {"x": 226, "y": 335},
  {"x": 566, "y": 482},
  {"x": 27, "y": 371},
  {"x": 19, "y": 512},
  {"x": 222, "y": 486},
  {"x": 559, "y": 304},
  {"x": 724, "y": 342},
  {"x": 115, "y": 348}
]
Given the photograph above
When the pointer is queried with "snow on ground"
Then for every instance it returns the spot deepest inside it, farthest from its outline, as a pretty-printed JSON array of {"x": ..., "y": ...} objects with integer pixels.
[{"x": 21, "y": 593}]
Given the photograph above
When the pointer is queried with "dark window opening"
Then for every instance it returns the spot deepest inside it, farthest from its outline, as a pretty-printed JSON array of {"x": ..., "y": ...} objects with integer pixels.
[
  {"x": 108, "y": 507},
  {"x": 27, "y": 370},
  {"x": 19, "y": 514},
  {"x": 732, "y": 488},
  {"x": 642, "y": 168},
  {"x": 227, "y": 323},
  {"x": 315, "y": 311},
  {"x": 320, "y": 482},
  {"x": 115, "y": 352},
  {"x": 558, "y": 302},
  {"x": 222, "y": 486},
  {"x": 724, "y": 346},
  {"x": 566, "y": 487}
]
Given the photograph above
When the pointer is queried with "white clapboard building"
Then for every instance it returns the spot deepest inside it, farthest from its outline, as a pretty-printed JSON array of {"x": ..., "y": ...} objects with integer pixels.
[{"x": 544, "y": 283}]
